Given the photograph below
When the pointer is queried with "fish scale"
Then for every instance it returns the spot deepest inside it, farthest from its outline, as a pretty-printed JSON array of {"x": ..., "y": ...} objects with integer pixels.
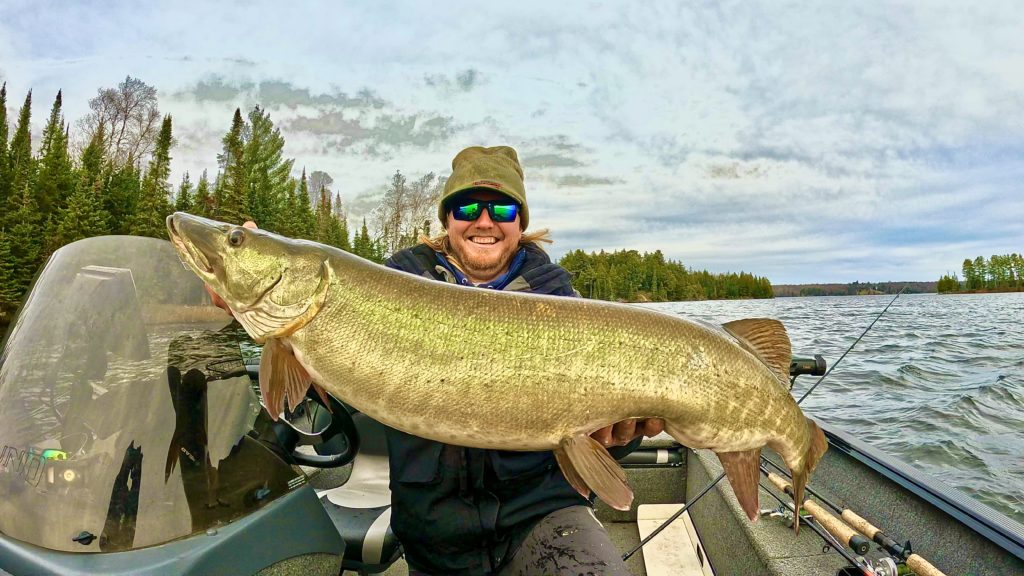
[{"x": 503, "y": 370}]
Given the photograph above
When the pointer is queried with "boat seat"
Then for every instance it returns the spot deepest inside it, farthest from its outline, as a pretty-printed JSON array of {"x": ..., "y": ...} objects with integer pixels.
[{"x": 361, "y": 507}]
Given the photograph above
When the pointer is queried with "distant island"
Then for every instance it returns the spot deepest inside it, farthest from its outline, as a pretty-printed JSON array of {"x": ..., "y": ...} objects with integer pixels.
[
  {"x": 853, "y": 288},
  {"x": 629, "y": 276},
  {"x": 1000, "y": 273}
]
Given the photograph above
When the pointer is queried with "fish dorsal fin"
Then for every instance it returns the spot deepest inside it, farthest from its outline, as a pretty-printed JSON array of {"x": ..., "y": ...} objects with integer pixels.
[
  {"x": 281, "y": 375},
  {"x": 766, "y": 339},
  {"x": 267, "y": 319},
  {"x": 587, "y": 466}
]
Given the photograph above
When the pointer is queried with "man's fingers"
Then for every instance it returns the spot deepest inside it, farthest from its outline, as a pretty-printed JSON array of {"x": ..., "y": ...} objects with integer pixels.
[
  {"x": 652, "y": 427},
  {"x": 603, "y": 435},
  {"x": 624, "y": 432},
  {"x": 249, "y": 224}
]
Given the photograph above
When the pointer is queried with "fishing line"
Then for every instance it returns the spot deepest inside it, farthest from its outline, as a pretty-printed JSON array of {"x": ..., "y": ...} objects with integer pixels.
[
  {"x": 832, "y": 542},
  {"x": 829, "y": 371},
  {"x": 722, "y": 475},
  {"x": 673, "y": 517}
]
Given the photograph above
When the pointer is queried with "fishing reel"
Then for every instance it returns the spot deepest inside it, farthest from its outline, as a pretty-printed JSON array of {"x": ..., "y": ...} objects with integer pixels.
[{"x": 884, "y": 566}]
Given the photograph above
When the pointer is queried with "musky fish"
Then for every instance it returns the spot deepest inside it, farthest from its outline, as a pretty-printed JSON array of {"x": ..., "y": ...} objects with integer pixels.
[{"x": 503, "y": 370}]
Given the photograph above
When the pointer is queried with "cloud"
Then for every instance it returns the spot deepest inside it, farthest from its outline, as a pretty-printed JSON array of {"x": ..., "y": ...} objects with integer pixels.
[
  {"x": 276, "y": 93},
  {"x": 580, "y": 180},
  {"x": 376, "y": 135},
  {"x": 464, "y": 81}
]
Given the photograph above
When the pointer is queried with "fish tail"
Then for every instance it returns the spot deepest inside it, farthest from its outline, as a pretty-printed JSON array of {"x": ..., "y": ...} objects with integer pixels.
[{"x": 815, "y": 449}]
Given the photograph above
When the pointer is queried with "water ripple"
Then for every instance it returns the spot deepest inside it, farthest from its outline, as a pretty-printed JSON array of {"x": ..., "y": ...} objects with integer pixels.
[{"x": 938, "y": 382}]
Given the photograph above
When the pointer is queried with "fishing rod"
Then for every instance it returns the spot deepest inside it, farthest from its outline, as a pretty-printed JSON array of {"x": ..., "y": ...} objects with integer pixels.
[
  {"x": 722, "y": 475},
  {"x": 821, "y": 529},
  {"x": 901, "y": 552}
]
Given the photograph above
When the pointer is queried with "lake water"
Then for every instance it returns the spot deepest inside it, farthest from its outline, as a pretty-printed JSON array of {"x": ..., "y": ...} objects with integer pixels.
[{"x": 937, "y": 382}]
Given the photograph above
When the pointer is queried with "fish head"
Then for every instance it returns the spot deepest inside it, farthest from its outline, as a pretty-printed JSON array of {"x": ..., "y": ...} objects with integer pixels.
[{"x": 266, "y": 280}]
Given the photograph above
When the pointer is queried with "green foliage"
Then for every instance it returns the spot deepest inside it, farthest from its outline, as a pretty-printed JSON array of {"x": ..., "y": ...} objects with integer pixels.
[
  {"x": 10, "y": 290},
  {"x": 948, "y": 284},
  {"x": 84, "y": 215},
  {"x": 627, "y": 275},
  {"x": 366, "y": 247},
  {"x": 233, "y": 204},
  {"x": 56, "y": 180},
  {"x": 4, "y": 178},
  {"x": 998, "y": 273},
  {"x": 183, "y": 200},
  {"x": 24, "y": 233},
  {"x": 203, "y": 203},
  {"x": 154, "y": 205},
  {"x": 267, "y": 172},
  {"x": 20, "y": 164}
]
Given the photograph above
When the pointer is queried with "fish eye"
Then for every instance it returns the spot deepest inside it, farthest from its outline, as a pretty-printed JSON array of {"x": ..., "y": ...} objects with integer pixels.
[{"x": 236, "y": 237}]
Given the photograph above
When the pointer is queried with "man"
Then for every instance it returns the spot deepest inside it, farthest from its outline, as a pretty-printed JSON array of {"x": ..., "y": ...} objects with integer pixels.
[{"x": 470, "y": 511}]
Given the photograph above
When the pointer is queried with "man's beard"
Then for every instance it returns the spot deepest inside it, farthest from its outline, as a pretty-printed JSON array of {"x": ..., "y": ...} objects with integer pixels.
[{"x": 483, "y": 267}]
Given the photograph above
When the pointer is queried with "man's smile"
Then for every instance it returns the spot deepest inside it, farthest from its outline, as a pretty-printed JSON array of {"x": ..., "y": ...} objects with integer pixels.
[{"x": 483, "y": 239}]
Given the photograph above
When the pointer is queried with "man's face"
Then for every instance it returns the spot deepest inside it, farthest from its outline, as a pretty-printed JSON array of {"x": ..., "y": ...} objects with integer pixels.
[{"x": 485, "y": 248}]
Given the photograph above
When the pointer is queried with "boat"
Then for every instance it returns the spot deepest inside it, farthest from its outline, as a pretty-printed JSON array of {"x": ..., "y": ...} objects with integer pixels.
[{"x": 133, "y": 441}]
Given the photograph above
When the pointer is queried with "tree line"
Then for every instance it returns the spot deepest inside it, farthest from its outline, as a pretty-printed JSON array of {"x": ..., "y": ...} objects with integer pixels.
[
  {"x": 111, "y": 175},
  {"x": 629, "y": 276},
  {"x": 999, "y": 273}
]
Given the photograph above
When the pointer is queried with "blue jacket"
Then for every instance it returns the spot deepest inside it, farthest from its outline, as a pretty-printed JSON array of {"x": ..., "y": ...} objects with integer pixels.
[{"x": 463, "y": 510}]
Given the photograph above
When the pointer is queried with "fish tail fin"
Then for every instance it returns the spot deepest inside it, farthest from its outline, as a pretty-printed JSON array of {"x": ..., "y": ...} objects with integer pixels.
[
  {"x": 742, "y": 469},
  {"x": 816, "y": 448}
]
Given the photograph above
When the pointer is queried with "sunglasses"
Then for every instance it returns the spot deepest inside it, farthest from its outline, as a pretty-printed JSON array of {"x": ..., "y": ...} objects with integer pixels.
[{"x": 499, "y": 211}]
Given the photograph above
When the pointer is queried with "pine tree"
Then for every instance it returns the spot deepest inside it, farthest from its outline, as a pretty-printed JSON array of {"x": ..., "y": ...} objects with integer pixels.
[
  {"x": 5, "y": 181},
  {"x": 10, "y": 294},
  {"x": 56, "y": 180},
  {"x": 340, "y": 233},
  {"x": 234, "y": 206},
  {"x": 365, "y": 247},
  {"x": 21, "y": 165},
  {"x": 203, "y": 204},
  {"x": 324, "y": 218},
  {"x": 305, "y": 219},
  {"x": 154, "y": 206},
  {"x": 84, "y": 216},
  {"x": 25, "y": 237},
  {"x": 267, "y": 172},
  {"x": 120, "y": 196},
  {"x": 183, "y": 201}
]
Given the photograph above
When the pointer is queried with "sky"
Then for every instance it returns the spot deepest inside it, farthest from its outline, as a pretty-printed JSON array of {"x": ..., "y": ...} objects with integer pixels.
[{"x": 817, "y": 142}]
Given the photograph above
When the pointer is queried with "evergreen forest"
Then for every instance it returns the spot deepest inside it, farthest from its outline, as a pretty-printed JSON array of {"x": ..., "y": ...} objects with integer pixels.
[
  {"x": 999, "y": 273},
  {"x": 110, "y": 174}
]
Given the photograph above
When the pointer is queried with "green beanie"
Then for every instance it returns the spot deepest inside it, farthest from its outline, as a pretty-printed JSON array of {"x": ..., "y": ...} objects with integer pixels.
[{"x": 496, "y": 168}]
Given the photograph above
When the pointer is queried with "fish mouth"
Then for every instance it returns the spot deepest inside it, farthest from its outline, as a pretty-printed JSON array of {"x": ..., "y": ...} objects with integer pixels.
[{"x": 195, "y": 257}]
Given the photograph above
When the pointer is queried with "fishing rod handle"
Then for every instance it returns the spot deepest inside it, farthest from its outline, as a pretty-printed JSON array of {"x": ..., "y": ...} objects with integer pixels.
[
  {"x": 922, "y": 567},
  {"x": 780, "y": 483},
  {"x": 835, "y": 527},
  {"x": 860, "y": 524}
]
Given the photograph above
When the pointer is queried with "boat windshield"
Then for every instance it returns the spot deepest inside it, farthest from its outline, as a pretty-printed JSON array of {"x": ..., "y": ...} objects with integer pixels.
[{"x": 125, "y": 407}]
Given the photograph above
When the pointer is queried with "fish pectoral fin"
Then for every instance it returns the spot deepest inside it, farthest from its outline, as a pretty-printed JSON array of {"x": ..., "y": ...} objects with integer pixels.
[
  {"x": 765, "y": 338},
  {"x": 587, "y": 466},
  {"x": 742, "y": 470},
  {"x": 570, "y": 473},
  {"x": 281, "y": 375}
]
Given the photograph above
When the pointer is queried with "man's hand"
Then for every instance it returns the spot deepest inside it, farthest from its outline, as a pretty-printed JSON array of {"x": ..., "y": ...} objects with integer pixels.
[
  {"x": 622, "y": 433},
  {"x": 214, "y": 297}
]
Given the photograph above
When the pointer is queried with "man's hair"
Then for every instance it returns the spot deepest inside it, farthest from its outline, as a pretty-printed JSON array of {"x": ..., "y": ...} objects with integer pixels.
[{"x": 441, "y": 243}]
